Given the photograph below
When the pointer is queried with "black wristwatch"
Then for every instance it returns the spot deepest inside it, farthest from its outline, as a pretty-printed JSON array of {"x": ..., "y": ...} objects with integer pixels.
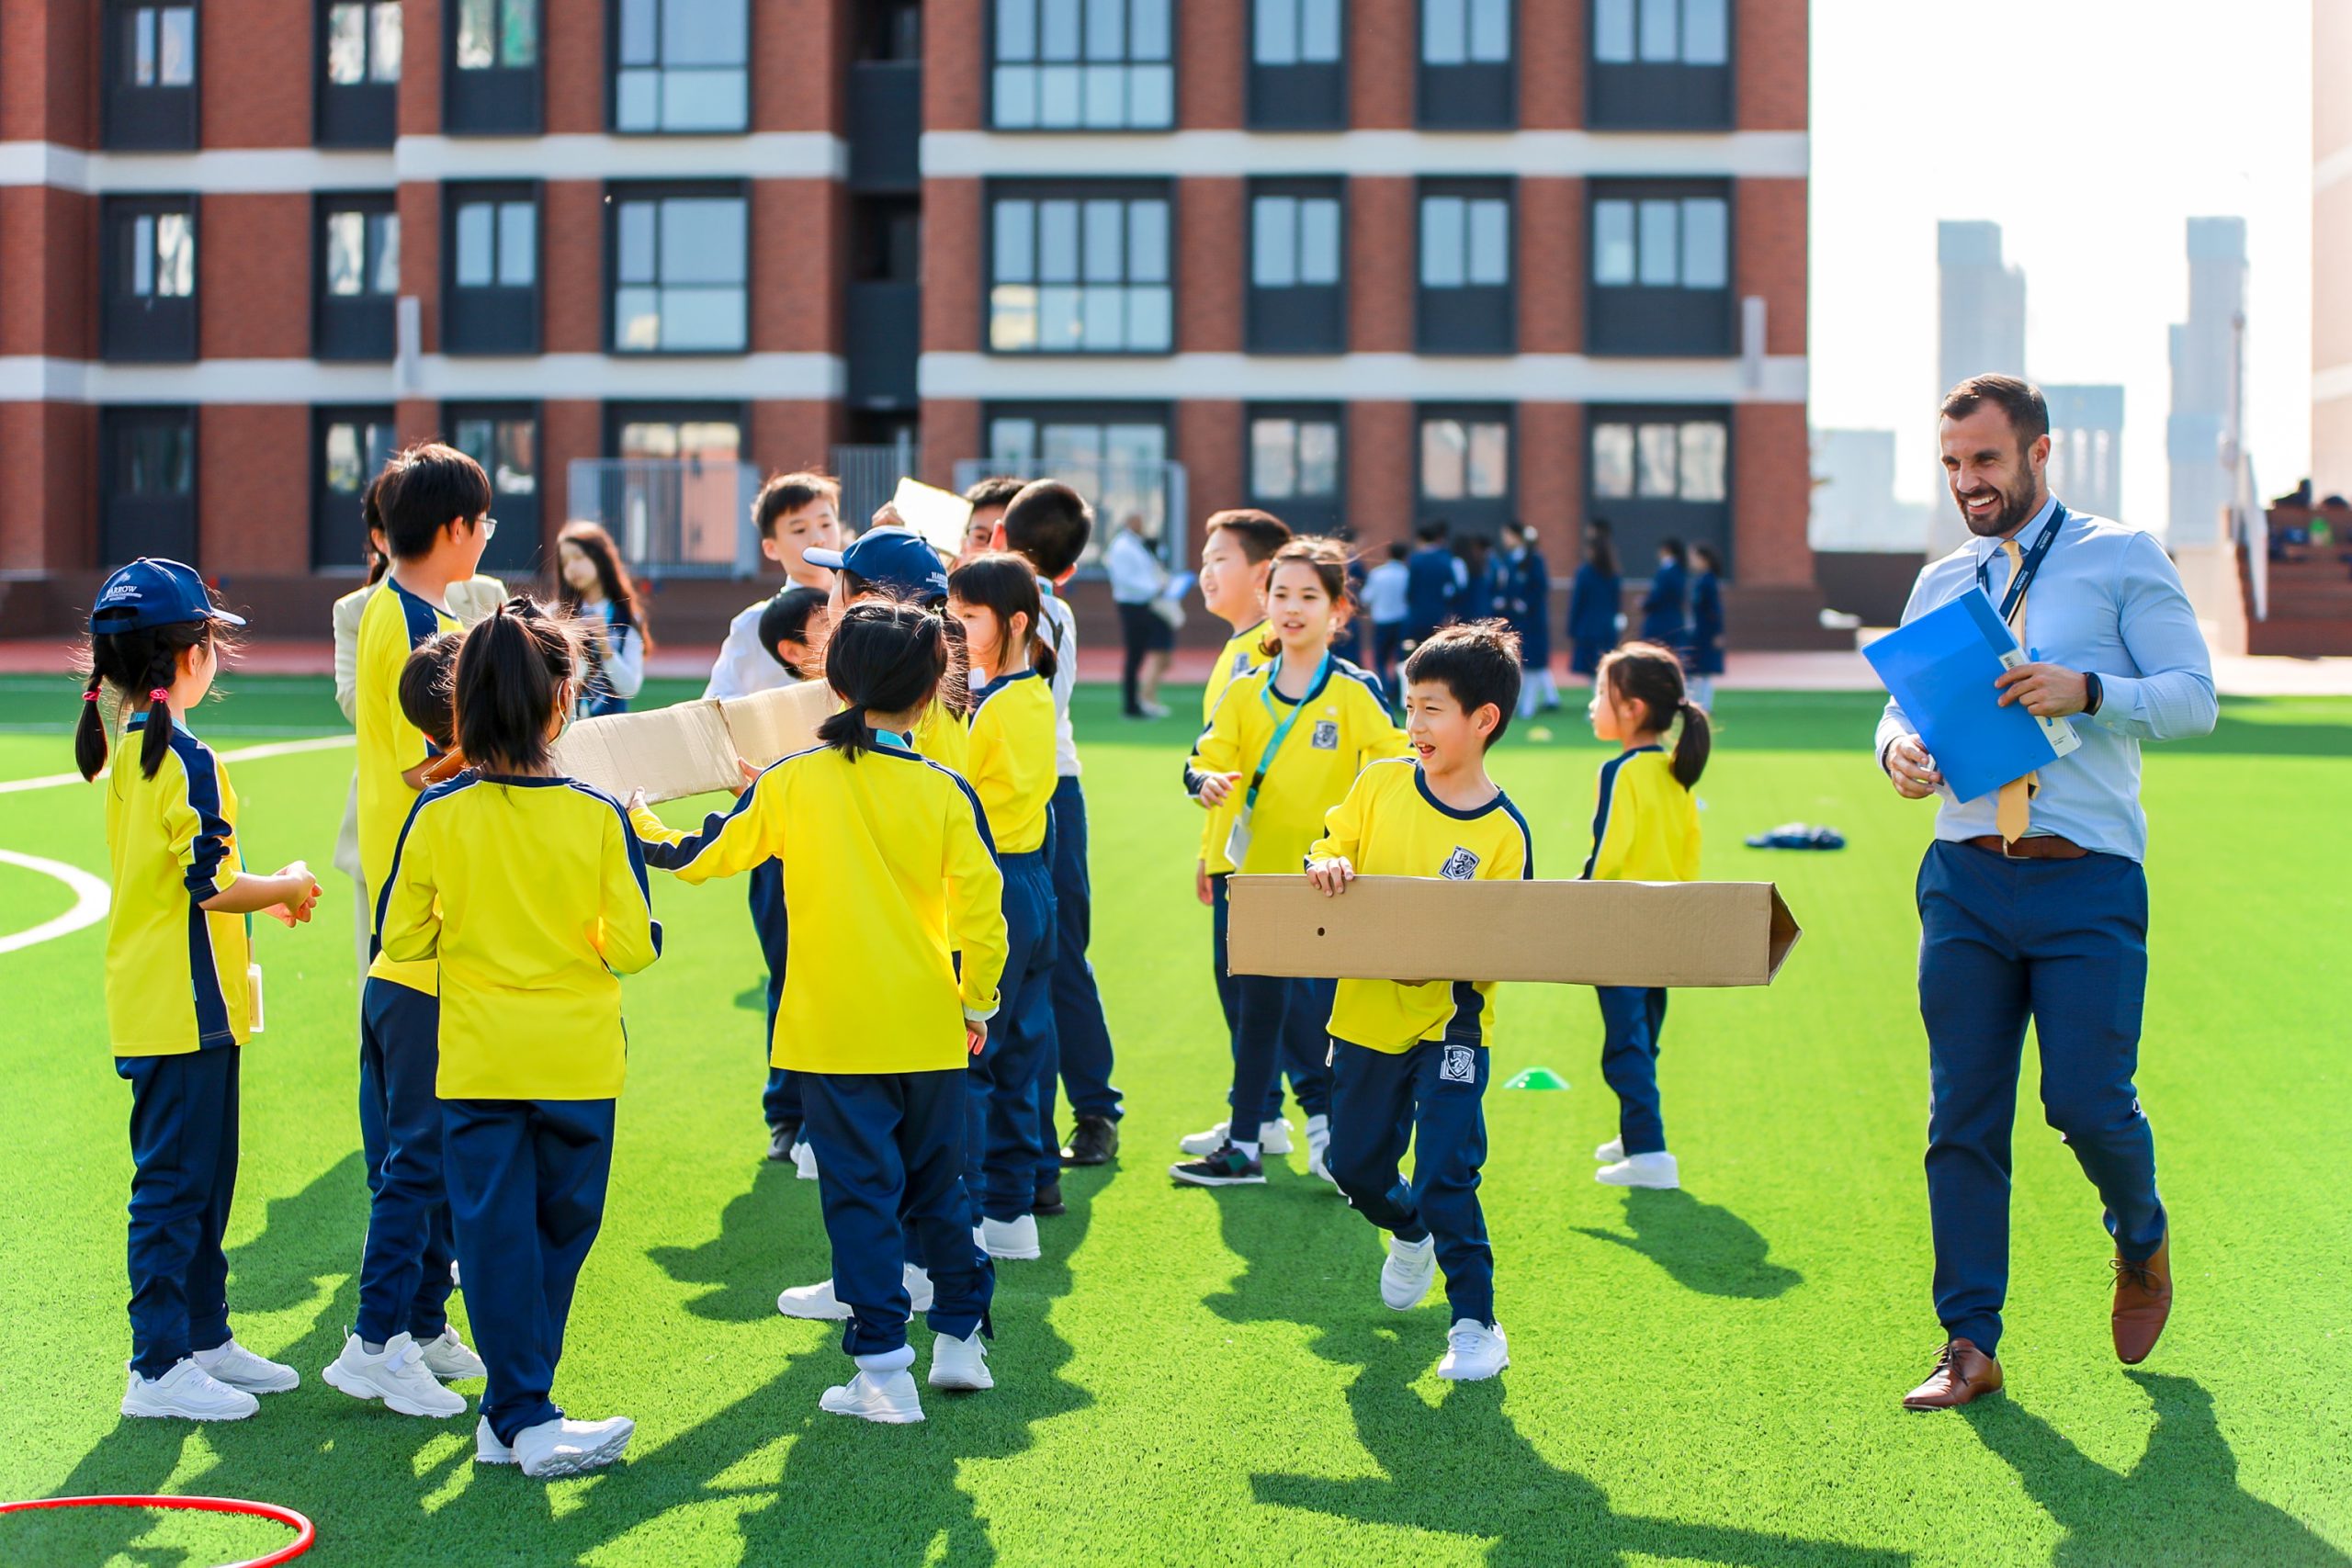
[{"x": 2093, "y": 693}]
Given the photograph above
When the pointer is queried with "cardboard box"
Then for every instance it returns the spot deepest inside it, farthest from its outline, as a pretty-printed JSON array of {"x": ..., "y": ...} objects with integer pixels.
[
  {"x": 693, "y": 747},
  {"x": 1575, "y": 933}
]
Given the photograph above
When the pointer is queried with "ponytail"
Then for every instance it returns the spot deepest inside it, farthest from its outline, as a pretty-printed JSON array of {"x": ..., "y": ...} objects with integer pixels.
[
  {"x": 1692, "y": 745},
  {"x": 127, "y": 666},
  {"x": 510, "y": 674},
  {"x": 1650, "y": 674},
  {"x": 883, "y": 656},
  {"x": 90, "y": 731}
]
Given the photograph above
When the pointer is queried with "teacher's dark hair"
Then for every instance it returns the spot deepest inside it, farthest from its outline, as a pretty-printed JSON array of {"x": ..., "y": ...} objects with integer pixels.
[
  {"x": 511, "y": 671},
  {"x": 1650, "y": 674},
  {"x": 882, "y": 655},
  {"x": 2015, "y": 396}
]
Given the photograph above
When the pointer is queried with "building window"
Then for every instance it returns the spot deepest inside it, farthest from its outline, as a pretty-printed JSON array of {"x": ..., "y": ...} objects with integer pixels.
[
  {"x": 490, "y": 283},
  {"x": 1116, "y": 456},
  {"x": 359, "y": 73},
  {"x": 1081, "y": 268},
  {"x": 146, "y": 483},
  {"x": 1469, "y": 75},
  {"x": 682, "y": 65},
  {"x": 492, "y": 82},
  {"x": 504, "y": 439},
  {"x": 1295, "y": 468},
  {"x": 681, "y": 258},
  {"x": 1297, "y": 243},
  {"x": 1661, "y": 268},
  {"x": 349, "y": 448},
  {"x": 151, "y": 85},
  {"x": 1660, "y": 65},
  {"x": 358, "y": 277},
  {"x": 1659, "y": 473},
  {"x": 1084, "y": 65},
  {"x": 1465, "y": 465},
  {"x": 1468, "y": 304},
  {"x": 1298, "y": 67},
  {"x": 676, "y": 493},
  {"x": 149, "y": 308}
]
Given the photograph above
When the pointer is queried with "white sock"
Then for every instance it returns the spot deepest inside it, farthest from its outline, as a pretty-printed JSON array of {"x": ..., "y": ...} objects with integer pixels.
[
  {"x": 1249, "y": 1150},
  {"x": 883, "y": 1362},
  {"x": 1317, "y": 1124}
]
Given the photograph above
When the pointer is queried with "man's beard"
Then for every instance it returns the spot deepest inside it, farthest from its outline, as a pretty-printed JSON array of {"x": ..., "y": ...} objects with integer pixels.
[{"x": 2013, "y": 515}]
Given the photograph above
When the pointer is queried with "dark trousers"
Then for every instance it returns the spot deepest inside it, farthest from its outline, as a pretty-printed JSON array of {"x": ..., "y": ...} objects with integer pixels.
[
  {"x": 780, "y": 1101},
  {"x": 184, "y": 1173},
  {"x": 1003, "y": 1145},
  {"x": 1632, "y": 1018},
  {"x": 1387, "y": 647},
  {"x": 1080, "y": 1032},
  {"x": 526, "y": 1193},
  {"x": 1586, "y": 653},
  {"x": 2065, "y": 943},
  {"x": 1141, "y": 632},
  {"x": 1308, "y": 1013},
  {"x": 404, "y": 1266},
  {"x": 891, "y": 1166},
  {"x": 1378, "y": 1101}
]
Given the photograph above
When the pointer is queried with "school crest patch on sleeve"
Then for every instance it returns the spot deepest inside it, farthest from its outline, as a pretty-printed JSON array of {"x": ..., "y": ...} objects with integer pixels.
[
  {"x": 1240, "y": 662},
  {"x": 1461, "y": 1065},
  {"x": 1460, "y": 866},
  {"x": 1327, "y": 735}
]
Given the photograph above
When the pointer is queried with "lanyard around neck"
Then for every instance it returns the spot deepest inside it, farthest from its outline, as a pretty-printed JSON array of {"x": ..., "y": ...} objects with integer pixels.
[
  {"x": 1282, "y": 728},
  {"x": 2027, "y": 568}
]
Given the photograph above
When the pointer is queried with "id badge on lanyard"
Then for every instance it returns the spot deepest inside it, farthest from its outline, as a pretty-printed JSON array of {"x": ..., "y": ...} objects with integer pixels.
[{"x": 1237, "y": 841}]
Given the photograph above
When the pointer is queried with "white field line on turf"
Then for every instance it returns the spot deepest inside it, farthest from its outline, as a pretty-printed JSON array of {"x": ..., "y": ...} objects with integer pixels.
[
  {"x": 248, "y": 755},
  {"x": 91, "y": 897}
]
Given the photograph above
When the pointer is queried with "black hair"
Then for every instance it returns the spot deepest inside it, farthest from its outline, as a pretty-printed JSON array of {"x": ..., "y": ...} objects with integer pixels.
[
  {"x": 1398, "y": 549},
  {"x": 628, "y": 604},
  {"x": 785, "y": 619},
  {"x": 1260, "y": 534},
  {"x": 422, "y": 490},
  {"x": 882, "y": 655},
  {"x": 1434, "y": 531},
  {"x": 1477, "y": 662},
  {"x": 511, "y": 671},
  {"x": 138, "y": 663},
  {"x": 789, "y": 492},
  {"x": 1513, "y": 526},
  {"x": 1601, "y": 548},
  {"x": 2019, "y": 399},
  {"x": 1670, "y": 546},
  {"x": 1048, "y": 522},
  {"x": 997, "y": 490},
  {"x": 371, "y": 522},
  {"x": 1330, "y": 563},
  {"x": 1006, "y": 585},
  {"x": 1650, "y": 674},
  {"x": 424, "y": 687},
  {"x": 1707, "y": 556}
]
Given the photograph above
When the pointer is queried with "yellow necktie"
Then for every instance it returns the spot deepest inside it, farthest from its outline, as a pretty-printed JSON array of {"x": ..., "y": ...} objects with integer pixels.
[{"x": 2010, "y": 810}]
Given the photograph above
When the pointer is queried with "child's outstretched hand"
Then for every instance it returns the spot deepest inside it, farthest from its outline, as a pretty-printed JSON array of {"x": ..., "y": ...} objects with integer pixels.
[
  {"x": 1333, "y": 876},
  {"x": 1214, "y": 787},
  {"x": 296, "y": 910}
]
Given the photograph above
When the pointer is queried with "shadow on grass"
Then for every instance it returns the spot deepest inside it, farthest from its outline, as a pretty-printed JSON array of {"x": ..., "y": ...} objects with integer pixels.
[
  {"x": 2180, "y": 1503},
  {"x": 768, "y": 1239},
  {"x": 1705, "y": 1246},
  {"x": 1460, "y": 1468}
]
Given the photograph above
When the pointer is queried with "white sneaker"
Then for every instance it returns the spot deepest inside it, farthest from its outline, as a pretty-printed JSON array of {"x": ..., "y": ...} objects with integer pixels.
[
  {"x": 1611, "y": 1152},
  {"x": 1155, "y": 710},
  {"x": 1405, "y": 1278},
  {"x": 818, "y": 1301},
  {"x": 1472, "y": 1351},
  {"x": 1273, "y": 1138},
  {"x": 395, "y": 1374},
  {"x": 887, "y": 1397},
  {"x": 186, "y": 1393},
  {"x": 565, "y": 1447},
  {"x": 1318, "y": 1147},
  {"x": 960, "y": 1363},
  {"x": 1641, "y": 1171},
  {"x": 487, "y": 1449},
  {"x": 455, "y": 1283},
  {"x": 918, "y": 1290},
  {"x": 447, "y": 1358},
  {"x": 804, "y": 1160},
  {"x": 232, "y": 1364},
  {"x": 1010, "y": 1239}
]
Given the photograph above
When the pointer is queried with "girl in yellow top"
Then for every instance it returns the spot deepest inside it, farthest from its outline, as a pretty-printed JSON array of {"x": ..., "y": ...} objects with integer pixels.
[
  {"x": 181, "y": 994},
  {"x": 1011, "y": 765},
  {"x": 1644, "y": 829},
  {"x": 532, "y": 1048},
  {"x": 891, "y": 885},
  {"x": 1286, "y": 743}
]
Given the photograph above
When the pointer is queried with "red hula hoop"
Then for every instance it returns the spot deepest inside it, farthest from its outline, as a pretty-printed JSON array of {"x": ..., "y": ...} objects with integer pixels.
[{"x": 304, "y": 1533}]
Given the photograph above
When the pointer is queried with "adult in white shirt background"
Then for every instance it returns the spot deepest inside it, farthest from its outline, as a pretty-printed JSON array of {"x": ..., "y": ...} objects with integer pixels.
[
  {"x": 1385, "y": 605},
  {"x": 1138, "y": 582}
]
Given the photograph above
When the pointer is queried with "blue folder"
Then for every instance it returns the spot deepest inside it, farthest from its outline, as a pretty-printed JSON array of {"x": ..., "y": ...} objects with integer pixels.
[{"x": 1941, "y": 669}]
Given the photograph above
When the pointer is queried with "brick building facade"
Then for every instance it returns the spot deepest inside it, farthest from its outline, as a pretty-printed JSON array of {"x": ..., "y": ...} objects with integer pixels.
[{"x": 1364, "y": 262}]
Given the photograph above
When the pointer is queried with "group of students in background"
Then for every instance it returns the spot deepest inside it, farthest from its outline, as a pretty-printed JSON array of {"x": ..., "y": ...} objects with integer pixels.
[{"x": 930, "y": 851}]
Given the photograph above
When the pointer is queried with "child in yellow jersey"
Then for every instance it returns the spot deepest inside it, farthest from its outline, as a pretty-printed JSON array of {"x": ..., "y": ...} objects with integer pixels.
[
  {"x": 1410, "y": 1060},
  {"x": 892, "y": 887},
  {"x": 181, "y": 994},
  {"x": 1237, "y": 552},
  {"x": 1644, "y": 829},
  {"x": 1286, "y": 743},
  {"x": 994, "y": 595},
  {"x": 531, "y": 1046}
]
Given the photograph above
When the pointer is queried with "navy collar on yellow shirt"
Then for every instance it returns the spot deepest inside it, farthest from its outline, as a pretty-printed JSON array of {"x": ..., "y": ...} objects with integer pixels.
[
  {"x": 999, "y": 683},
  {"x": 523, "y": 781},
  {"x": 1274, "y": 667},
  {"x": 1421, "y": 783}
]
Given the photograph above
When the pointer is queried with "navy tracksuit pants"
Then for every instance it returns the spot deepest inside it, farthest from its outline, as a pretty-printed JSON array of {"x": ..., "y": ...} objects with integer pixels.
[
  {"x": 1004, "y": 1154},
  {"x": 1305, "y": 1009},
  {"x": 526, "y": 1194},
  {"x": 2065, "y": 943},
  {"x": 1082, "y": 1034},
  {"x": 890, "y": 1167},
  {"x": 780, "y": 1101},
  {"x": 1433, "y": 1095},
  {"x": 184, "y": 1173},
  {"x": 404, "y": 1266},
  {"x": 1632, "y": 1018}
]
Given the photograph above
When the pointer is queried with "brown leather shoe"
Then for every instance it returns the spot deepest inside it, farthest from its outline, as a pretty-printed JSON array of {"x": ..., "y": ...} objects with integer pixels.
[
  {"x": 1963, "y": 1372},
  {"x": 2143, "y": 1301}
]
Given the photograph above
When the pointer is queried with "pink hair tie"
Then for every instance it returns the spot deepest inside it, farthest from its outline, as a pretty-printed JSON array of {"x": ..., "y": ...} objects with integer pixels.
[
  {"x": 91, "y": 696},
  {"x": 158, "y": 695}
]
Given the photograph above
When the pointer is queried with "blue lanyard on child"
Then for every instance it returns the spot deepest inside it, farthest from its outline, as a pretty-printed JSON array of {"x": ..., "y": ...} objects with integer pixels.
[{"x": 1282, "y": 729}]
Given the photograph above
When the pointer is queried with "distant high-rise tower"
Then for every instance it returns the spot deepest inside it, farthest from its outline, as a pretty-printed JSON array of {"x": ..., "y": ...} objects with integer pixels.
[
  {"x": 2087, "y": 448},
  {"x": 1980, "y": 331},
  {"x": 2205, "y": 362},
  {"x": 2331, "y": 243}
]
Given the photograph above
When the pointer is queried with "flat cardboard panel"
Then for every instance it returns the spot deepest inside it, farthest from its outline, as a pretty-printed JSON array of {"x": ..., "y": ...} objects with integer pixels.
[
  {"x": 769, "y": 725},
  {"x": 692, "y": 748},
  {"x": 1578, "y": 933}
]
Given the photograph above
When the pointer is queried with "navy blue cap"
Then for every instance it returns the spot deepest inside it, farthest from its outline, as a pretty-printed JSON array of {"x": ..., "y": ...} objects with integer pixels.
[
  {"x": 894, "y": 560},
  {"x": 153, "y": 593}
]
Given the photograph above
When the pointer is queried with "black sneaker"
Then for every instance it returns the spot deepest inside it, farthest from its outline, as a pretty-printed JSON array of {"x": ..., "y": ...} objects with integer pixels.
[
  {"x": 780, "y": 1141},
  {"x": 1092, "y": 1142},
  {"x": 1227, "y": 1168},
  {"x": 1048, "y": 1199}
]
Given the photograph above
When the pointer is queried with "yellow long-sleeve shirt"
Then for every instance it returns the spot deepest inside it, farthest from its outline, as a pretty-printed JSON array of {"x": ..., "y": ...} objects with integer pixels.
[
  {"x": 1011, "y": 761},
  {"x": 1342, "y": 725},
  {"x": 391, "y": 625},
  {"x": 175, "y": 972},
  {"x": 1644, "y": 824},
  {"x": 1238, "y": 656}
]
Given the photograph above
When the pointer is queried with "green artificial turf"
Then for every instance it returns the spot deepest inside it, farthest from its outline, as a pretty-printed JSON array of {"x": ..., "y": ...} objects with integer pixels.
[{"x": 1208, "y": 1377}]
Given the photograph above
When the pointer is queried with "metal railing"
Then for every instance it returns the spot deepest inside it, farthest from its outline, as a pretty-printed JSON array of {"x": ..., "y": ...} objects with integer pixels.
[
  {"x": 870, "y": 474},
  {"x": 1116, "y": 490},
  {"x": 671, "y": 516}
]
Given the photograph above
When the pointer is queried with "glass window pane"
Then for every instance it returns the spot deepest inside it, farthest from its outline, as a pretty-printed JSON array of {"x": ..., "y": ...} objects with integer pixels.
[
  {"x": 343, "y": 460},
  {"x": 1102, "y": 318},
  {"x": 1706, "y": 244},
  {"x": 1318, "y": 31},
  {"x": 1274, "y": 458},
  {"x": 636, "y": 100},
  {"x": 637, "y": 241},
  {"x": 1613, "y": 31},
  {"x": 1273, "y": 242},
  {"x": 1057, "y": 241},
  {"x": 1706, "y": 32},
  {"x": 1013, "y": 317},
  {"x": 518, "y": 42},
  {"x": 1013, "y": 441},
  {"x": 640, "y": 35},
  {"x": 1489, "y": 459},
  {"x": 384, "y": 49},
  {"x": 347, "y": 44},
  {"x": 1613, "y": 461},
  {"x": 386, "y": 226},
  {"x": 143, "y": 256},
  {"x": 1443, "y": 451},
  {"x": 1151, "y": 97},
  {"x": 1706, "y": 445},
  {"x": 1147, "y": 242},
  {"x": 1443, "y": 32},
  {"x": 1013, "y": 102},
  {"x": 1659, "y": 30},
  {"x": 516, "y": 472},
  {"x": 1106, "y": 97},
  {"x": 347, "y": 251},
  {"x": 1148, "y": 33},
  {"x": 1059, "y": 96},
  {"x": 142, "y": 47},
  {"x": 1319, "y": 240},
  {"x": 1151, "y": 319},
  {"x": 1058, "y": 319},
  {"x": 1318, "y": 458},
  {"x": 1443, "y": 239},
  {"x": 1058, "y": 37},
  {"x": 1613, "y": 244},
  {"x": 702, "y": 240},
  {"x": 703, "y": 32},
  {"x": 1106, "y": 29},
  {"x": 1489, "y": 242},
  {"x": 1015, "y": 255},
  {"x": 473, "y": 437},
  {"x": 1274, "y": 39},
  {"x": 175, "y": 54},
  {"x": 518, "y": 244},
  {"x": 475, "y": 249},
  {"x": 1016, "y": 30},
  {"x": 175, "y": 255},
  {"x": 702, "y": 317},
  {"x": 1661, "y": 452},
  {"x": 476, "y": 30},
  {"x": 1490, "y": 31},
  {"x": 706, "y": 100},
  {"x": 1658, "y": 260},
  {"x": 1072, "y": 446}
]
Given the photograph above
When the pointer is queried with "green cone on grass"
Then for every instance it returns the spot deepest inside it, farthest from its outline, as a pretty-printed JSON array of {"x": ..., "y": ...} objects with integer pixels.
[{"x": 1535, "y": 1078}]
